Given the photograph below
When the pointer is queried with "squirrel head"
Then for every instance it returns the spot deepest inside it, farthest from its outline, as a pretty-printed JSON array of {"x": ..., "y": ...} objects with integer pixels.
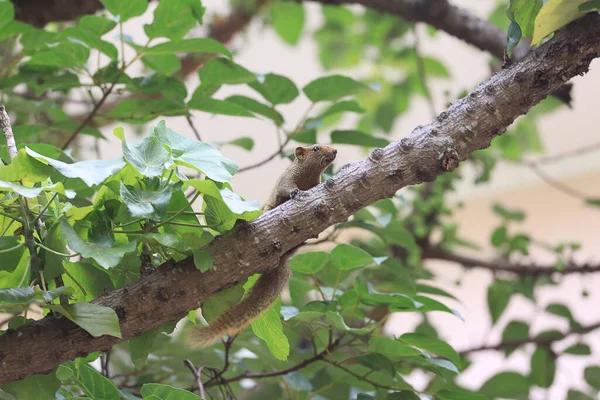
[{"x": 320, "y": 155}]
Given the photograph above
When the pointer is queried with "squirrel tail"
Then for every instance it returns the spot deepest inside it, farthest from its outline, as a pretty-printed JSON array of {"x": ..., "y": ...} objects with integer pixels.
[{"x": 264, "y": 292}]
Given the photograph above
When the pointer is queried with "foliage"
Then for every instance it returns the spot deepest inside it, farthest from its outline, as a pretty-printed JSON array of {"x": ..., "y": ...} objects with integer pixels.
[{"x": 72, "y": 230}]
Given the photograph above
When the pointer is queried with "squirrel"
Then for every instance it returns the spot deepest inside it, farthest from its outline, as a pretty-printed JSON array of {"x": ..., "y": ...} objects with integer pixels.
[{"x": 303, "y": 174}]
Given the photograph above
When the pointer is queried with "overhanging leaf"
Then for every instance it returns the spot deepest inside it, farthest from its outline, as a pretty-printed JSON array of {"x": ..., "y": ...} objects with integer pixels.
[{"x": 97, "y": 320}]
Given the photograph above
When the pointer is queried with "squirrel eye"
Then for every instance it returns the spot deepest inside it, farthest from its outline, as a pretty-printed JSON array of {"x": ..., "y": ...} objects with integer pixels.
[{"x": 316, "y": 148}]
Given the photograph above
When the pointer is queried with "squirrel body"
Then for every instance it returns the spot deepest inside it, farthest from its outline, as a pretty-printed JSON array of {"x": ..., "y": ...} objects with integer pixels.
[{"x": 303, "y": 174}]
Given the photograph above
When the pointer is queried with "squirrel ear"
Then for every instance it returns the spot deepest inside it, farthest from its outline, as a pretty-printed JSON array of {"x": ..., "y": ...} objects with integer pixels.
[{"x": 300, "y": 152}]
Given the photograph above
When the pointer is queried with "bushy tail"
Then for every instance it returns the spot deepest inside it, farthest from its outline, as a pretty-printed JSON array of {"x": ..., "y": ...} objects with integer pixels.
[{"x": 264, "y": 292}]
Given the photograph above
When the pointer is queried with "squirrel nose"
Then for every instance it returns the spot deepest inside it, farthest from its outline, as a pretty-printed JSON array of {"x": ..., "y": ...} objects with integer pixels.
[{"x": 334, "y": 151}]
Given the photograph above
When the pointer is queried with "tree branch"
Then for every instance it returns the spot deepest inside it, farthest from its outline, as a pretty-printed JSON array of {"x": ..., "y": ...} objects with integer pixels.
[
  {"x": 471, "y": 123},
  {"x": 543, "y": 340},
  {"x": 435, "y": 253}
]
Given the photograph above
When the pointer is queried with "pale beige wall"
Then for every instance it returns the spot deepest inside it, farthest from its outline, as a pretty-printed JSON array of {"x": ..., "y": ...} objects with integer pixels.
[{"x": 552, "y": 216}]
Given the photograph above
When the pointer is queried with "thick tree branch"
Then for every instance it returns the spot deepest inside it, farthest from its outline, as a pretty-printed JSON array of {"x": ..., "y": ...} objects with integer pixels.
[
  {"x": 541, "y": 340},
  {"x": 471, "y": 123},
  {"x": 435, "y": 253}
]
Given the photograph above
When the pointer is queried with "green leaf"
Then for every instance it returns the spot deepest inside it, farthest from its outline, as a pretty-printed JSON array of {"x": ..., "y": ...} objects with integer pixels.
[
  {"x": 498, "y": 296},
  {"x": 173, "y": 19},
  {"x": 347, "y": 257},
  {"x": 107, "y": 257},
  {"x": 297, "y": 381},
  {"x": 27, "y": 294},
  {"x": 139, "y": 110},
  {"x": 268, "y": 327},
  {"x": 507, "y": 213},
  {"x": 202, "y": 102},
  {"x": 510, "y": 385},
  {"x": 543, "y": 367},
  {"x": 458, "y": 394},
  {"x": 309, "y": 263},
  {"x": 592, "y": 376},
  {"x": 65, "y": 54},
  {"x": 357, "y": 138},
  {"x": 162, "y": 146},
  {"x": 524, "y": 12},
  {"x": 343, "y": 106},
  {"x": 93, "y": 280},
  {"x": 559, "y": 309},
  {"x": 257, "y": 108},
  {"x": 514, "y": 33},
  {"x": 276, "y": 89},
  {"x": 332, "y": 88},
  {"x": 590, "y": 5},
  {"x": 370, "y": 296},
  {"x": 288, "y": 20},
  {"x": 150, "y": 202},
  {"x": 515, "y": 330},
  {"x": 221, "y": 71},
  {"x": 90, "y": 381},
  {"x": 498, "y": 237},
  {"x": 34, "y": 387},
  {"x": 216, "y": 305},
  {"x": 432, "y": 345},
  {"x": 593, "y": 202},
  {"x": 392, "y": 348},
  {"x": 155, "y": 391},
  {"x": 233, "y": 202},
  {"x": 125, "y": 9},
  {"x": 196, "y": 45},
  {"x": 140, "y": 346},
  {"x": 245, "y": 143},
  {"x": 31, "y": 193},
  {"x": 337, "y": 321},
  {"x": 10, "y": 259},
  {"x": 554, "y": 15},
  {"x": 377, "y": 362},
  {"x": 7, "y": 13},
  {"x": 91, "y": 172},
  {"x": 203, "y": 260},
  {"x": 97, "y": 320},
  {"x": 577, "y": 395},
  {"x": 579, "y": 349},
  {"x": 403, "y": 395}
]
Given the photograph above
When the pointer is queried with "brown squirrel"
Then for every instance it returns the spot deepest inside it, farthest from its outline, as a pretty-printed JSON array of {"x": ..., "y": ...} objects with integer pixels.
[{"x": 303, "y": 174}]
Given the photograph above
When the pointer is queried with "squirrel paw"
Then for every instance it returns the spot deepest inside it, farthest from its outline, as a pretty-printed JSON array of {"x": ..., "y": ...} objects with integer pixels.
[{"x": 295, "y": 193}]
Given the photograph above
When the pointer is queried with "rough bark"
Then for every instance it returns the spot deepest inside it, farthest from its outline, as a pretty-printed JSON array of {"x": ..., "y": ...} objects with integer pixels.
[
  {"x": 39, "y": 12},
  {"x": 468, "y": 125}
]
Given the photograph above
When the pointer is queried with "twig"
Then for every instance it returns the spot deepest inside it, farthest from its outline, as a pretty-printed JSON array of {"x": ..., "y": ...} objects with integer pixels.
[
  {"x": 537, "y": 340},
  {"x": 567, "y": 154},
  {"x": 197, "y": 375},
  {"x": 500, "y": 265},
  {"x": 191, "y": 123},
  {"x": 566, "y": 189}
]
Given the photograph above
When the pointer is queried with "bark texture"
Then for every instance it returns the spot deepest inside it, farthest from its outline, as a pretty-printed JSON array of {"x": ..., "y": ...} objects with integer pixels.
[{"x": 471, "y": 123}]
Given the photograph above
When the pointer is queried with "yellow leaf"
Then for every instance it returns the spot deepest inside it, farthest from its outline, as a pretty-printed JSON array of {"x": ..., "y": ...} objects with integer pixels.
[{"x": 554, "y": 15}]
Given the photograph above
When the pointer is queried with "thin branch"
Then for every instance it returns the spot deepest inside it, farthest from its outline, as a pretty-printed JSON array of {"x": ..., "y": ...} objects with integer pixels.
[
  {"x": 191, "y": 124},
  {"x": 543, "y": 340},
  {"x": 319, "y": 357},
  {"x": 567, "y": 154},
  {"x": 435, "y": 253},
  {"x": 197, "y": 372},
  {"x": 8, "y": 133},
  {"x": 563, "y": 187}
]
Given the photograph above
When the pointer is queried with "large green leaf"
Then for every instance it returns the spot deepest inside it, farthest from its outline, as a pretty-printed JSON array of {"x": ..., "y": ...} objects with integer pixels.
[
  {"x": 498, "y": 296},
  {"x": 89, "y": 380},
  {"x": 155, "y": 391},
  {"x": 257, "y": 107},
  {"x": 592, "y": 376},
  {"x": 34, "y": 387},
  {"x": 337, "y": 321},
  {"x": 140, "y": 110},
  {"x": 543, "y": 367},
  {"x": 372, "y": 297},
  {"x": 172, "y": 19},
  {"x": 97, "y": 320},
  {"x": 162, "y": 147},
  {"x": 432, "y": 345},
  {"x": 347, "y": 257},
  {"x": 10, "y": 258},
  {"x": 509, "y": 385},
  {"x": 91, "y": 172},
  {"x": 221, "y": 71},
  {"x": 288, "y": 20},
  {"x": 276, "y": 89},
  {"x": 31, "y": 193},
  {"x": 268, "y": 327},
  {"x": 150, "y": 202},
  {"x": 105, "y": 256},
  {"x": 93, "y": 280},
  {"x": 392, "y": 347},
  {"x": 27, "y": 294},
  {"x": 357, "y": 138},
  {"x": 332, "y": 88},
  {"x": 309, "y": 263},
  {"x": 66, "y": 54},
  {"x": 234, "y": 203},
  {"x": 125, "y": 9},
  {"x": 7, "y": 13},
  {"x": 202, "y": 102},
  {"x": 196, "y": 45}
]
